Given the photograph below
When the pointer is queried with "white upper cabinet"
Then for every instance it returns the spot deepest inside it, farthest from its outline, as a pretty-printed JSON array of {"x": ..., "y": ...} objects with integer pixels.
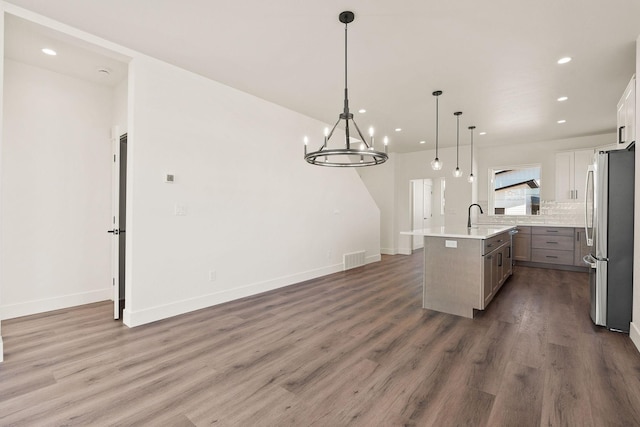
[
  {"x": 627, "y": 115},
  {"x": 571, "y": 172}
]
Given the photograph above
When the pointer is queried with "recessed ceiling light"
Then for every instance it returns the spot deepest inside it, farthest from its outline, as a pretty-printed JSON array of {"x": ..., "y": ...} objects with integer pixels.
[
  {"x": 562, "y": 121},
  {"x": 49, "y": 52},
  {"x": 563, "y": 98},
  {"x": 423, "y": 142},
  {"x": 362, "y": 111},
  {"x": 398, "y": 129},
  {"x": 482, "y": 133},
  {"x": 564, "y": 60}
]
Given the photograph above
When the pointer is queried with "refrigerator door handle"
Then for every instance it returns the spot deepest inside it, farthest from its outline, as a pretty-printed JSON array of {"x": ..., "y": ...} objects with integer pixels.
[{"x": 590, "y": 177}]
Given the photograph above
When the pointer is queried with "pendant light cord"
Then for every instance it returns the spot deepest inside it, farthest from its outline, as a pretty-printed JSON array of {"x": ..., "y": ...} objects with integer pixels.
[
  {"x": 437, "y": 126},
  {"x": 457, "y": 141}
]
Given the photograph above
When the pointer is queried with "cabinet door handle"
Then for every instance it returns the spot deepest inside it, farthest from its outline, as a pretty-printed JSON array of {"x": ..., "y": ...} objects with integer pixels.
[
  {"x": 551, "y": 256},
  {"x": 552, "y": 231},
  {"x": 500, "y": 259},
  {"x": 509, "y": 252},
  {"x": 620, "y": 141},
  {"x": 552, "y": 243}
]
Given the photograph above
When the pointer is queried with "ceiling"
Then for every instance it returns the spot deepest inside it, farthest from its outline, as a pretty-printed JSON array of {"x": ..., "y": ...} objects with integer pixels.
[{"x": 494, "y": 60}]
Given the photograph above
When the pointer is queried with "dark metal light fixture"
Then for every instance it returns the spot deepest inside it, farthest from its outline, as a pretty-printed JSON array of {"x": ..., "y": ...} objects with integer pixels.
[
  {"x": 471, "y": 178},
  {"x": 436, "y": 164},
  {"x": 365, "y": 154},
  {"x": 457, "y": 172}
]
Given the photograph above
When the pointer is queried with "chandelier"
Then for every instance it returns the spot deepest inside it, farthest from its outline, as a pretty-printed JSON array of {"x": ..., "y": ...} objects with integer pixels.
[{"x": 365, "y": 154}]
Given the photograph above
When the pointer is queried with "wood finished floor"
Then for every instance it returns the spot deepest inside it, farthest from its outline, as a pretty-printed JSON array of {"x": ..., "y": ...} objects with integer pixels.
[{"x": 352, "y": 348}]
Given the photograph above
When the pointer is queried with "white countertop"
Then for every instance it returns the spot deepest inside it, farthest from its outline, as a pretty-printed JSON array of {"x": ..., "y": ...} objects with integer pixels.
[
  {"x": 475, "y": 232},
  {"x": 534, "y": 224}
]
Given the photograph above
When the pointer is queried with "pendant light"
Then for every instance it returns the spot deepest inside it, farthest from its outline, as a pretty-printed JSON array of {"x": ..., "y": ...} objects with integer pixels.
[
  {"x": 365, "y": 154},
  {"x": 436, "y": 164},
  {"x": 471, "y": 178},
  {"x": 457, "y": 172}
]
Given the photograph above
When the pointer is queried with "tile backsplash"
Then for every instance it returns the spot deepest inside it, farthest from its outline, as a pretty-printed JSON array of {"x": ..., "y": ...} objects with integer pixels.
[{"x": 551, "y": 212}]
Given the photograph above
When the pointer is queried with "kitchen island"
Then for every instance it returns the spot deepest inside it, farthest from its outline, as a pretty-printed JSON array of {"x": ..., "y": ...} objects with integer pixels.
[{"x": 464, "y": 267}]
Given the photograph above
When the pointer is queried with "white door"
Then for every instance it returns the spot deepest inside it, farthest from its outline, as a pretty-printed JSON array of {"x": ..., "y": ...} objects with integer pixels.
[{"x": 421, "y": 208}]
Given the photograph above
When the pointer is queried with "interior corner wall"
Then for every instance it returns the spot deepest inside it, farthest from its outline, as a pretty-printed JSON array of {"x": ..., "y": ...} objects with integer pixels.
[
  {"x": 635, "y": 316},
  {"x": 380, "y": 181},
  {"x": 417, "y": 165},
  {"x": 1, "y": 144},
  {"x": 56, "y": 191},
  {"x": 245, "y": 213},
  {"x": 542, "y": 153}
]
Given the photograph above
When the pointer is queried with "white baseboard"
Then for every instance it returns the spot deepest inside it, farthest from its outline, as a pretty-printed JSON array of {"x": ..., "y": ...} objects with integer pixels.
[
  {"x": 141, "y": 317},
  {"x": 27, "y": 308},
  {"x": 152, "y": 314},
  {"x": 634, "y": 334},
  {"x": 388, "y": 251},
  {"x": 405, "y": 251},
  {"x": 372, "y": 258}
]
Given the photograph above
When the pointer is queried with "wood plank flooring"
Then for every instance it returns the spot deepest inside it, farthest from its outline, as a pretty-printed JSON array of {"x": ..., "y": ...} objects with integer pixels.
[{"x": 353, "y": 348}]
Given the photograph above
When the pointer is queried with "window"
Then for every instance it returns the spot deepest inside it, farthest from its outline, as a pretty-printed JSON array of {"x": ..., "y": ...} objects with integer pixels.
[{"x": 514, "y": 190}]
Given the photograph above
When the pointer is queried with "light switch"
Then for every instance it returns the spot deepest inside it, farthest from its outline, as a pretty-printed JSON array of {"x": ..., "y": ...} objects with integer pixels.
[{"x": 450, "y": 243}]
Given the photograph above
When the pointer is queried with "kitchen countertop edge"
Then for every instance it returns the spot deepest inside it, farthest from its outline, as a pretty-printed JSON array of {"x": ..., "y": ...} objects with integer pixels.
[{"x": 476, "y": 232}]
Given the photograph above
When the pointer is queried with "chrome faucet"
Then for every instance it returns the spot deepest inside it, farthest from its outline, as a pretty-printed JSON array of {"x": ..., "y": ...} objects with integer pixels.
[{"x": 469, "y": 216}]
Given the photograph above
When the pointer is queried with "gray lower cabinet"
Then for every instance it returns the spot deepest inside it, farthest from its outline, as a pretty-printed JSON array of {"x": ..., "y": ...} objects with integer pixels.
[
  {"x": 522, "y": 244},
  {"x": 497, "y": 265},
  {"x": 580, "y": 248},
  {"x": 552, "y": 246}
]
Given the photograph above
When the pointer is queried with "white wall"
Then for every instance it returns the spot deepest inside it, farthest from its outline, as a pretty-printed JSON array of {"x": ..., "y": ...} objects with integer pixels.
[
  {"x": 1, "y": 129},
  {"x": 542, "y": 153},
  {"x": 56, "y": 191},
  {"x": 380, "y": 181},
  {"x": 635, "y": 316},
  {"x": 417, "y": 165},
  {"x": 256, "y": 214}
]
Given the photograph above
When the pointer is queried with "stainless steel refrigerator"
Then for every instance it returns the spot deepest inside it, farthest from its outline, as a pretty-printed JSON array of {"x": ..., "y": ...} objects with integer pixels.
[{"x": 609, "y": 229}]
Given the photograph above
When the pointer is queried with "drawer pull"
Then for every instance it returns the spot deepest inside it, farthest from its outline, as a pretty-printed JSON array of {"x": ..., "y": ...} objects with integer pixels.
[
  {"x": 552, "y": 243},
  {"x": 552, "y": 256},
  {"x": 551, "y": 231}
]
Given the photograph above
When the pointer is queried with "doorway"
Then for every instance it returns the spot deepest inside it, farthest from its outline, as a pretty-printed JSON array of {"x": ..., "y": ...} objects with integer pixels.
[
  {"x": 119, "y": 224},
  {"x": 427, "y": 206}
]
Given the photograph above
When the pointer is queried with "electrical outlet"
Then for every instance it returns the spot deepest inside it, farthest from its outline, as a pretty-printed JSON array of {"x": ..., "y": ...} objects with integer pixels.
[{"x": 212, "y": 275}]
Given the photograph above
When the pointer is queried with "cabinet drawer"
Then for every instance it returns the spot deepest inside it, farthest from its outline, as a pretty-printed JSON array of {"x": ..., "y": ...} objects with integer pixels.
[
  {"x": 562, "y": 243},
  {"x": 551, "y": 256},
  {"x": 493, "y": 243},
  {"x": 523, "y": 229},
  {"x": 553, "y": 231}
]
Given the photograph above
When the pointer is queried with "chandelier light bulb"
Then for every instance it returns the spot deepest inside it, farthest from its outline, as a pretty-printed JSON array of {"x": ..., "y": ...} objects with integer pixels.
[
  {"x": 457, "y": 173},
  {"x": 386, "y": 141},
  {"x": 436, "y": 164}
]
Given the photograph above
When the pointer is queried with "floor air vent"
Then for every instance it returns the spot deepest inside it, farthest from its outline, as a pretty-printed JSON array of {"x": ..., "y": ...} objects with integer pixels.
[{"x": 353, "y": 260}]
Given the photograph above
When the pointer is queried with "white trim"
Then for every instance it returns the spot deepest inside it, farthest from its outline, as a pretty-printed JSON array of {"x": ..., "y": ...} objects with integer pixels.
[
  {"x": 634, "y": 334},
  {"x": 141, "y": 317},
  {"x": 388, "y": 251},
  {"x": 40, "y": 306},
  {"x": 1, "y": 350},
  {"x": 405, "y": 251}
]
